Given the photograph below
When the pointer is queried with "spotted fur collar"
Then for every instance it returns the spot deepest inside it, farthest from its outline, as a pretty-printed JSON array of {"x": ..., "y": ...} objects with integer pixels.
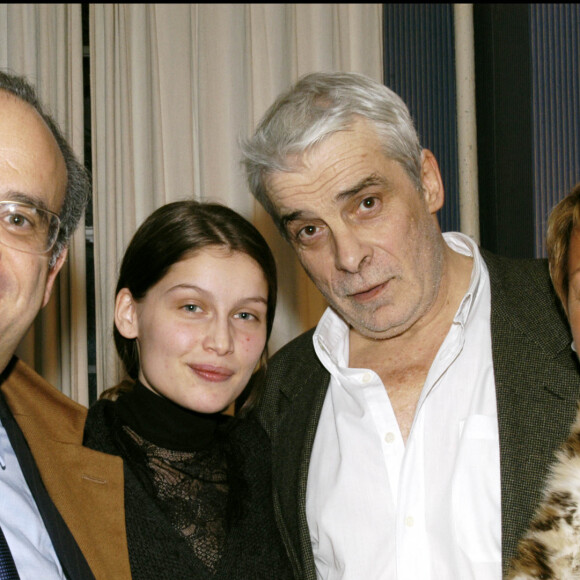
[{"x": 550, "y": 550}]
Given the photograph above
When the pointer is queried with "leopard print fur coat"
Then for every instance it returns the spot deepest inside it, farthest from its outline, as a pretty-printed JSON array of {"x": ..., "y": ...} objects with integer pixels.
[{"x": 550, "y": 550}]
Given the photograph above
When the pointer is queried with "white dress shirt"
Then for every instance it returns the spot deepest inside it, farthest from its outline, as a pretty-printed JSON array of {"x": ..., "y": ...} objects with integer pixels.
[
  {"x": 378, "y": 509},
  {"x": 29, "y": 542}
]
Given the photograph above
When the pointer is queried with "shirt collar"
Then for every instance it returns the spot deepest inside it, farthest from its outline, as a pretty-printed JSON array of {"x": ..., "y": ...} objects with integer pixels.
[
  {"x": 463, "y": 244},
  {"x": 331, "y": 337},
  {"x": 331, "y": 341}
]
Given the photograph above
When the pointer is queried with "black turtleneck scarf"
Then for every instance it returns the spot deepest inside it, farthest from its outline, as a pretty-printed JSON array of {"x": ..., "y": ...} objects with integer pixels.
[
  {"x": 182, "y": 459},
  {"x": 198, "y": 495},
  {"x": 166, "y": 424}
]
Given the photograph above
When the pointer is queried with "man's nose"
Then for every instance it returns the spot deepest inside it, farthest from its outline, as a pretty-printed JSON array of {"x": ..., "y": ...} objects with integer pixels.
[{"x": 350, "y": 251}]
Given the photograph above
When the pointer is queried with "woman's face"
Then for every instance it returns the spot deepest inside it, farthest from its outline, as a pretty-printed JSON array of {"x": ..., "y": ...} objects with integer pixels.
[
  {"x": 573, "y": 304},
  {"x": 200, "y": 330}
]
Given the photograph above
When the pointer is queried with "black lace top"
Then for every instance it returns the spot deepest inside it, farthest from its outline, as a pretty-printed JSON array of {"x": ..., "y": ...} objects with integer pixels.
[
  {"x": 176, "y": 453},
  {"x": 194, "y": 486}
]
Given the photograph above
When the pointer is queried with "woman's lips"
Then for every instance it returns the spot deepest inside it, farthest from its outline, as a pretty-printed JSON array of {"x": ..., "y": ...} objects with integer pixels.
[{"x": 212, "y": 373}]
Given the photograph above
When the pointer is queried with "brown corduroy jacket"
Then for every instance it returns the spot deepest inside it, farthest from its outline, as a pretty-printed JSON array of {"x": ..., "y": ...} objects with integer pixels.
[{"x": 86, "y": 486}]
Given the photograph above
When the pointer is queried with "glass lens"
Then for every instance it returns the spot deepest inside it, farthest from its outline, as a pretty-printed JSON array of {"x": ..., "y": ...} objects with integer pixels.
[{"x": 27, "y": 228}]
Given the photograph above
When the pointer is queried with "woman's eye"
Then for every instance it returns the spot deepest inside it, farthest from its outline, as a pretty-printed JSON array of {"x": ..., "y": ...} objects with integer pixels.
[
  {"x": 245, "y": 316},
  {"x": 191, "y": 308}
]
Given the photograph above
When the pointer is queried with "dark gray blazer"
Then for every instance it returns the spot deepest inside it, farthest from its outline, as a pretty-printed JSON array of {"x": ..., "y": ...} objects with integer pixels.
[{"x": 537, "y": 385}]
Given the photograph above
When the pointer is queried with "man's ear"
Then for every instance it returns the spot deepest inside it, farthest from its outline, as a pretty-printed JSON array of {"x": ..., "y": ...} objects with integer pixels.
[
  {"x": 432, "y": 182},
  {"x": 126, "y": 314},
  {"x": 52, "y": 274}
]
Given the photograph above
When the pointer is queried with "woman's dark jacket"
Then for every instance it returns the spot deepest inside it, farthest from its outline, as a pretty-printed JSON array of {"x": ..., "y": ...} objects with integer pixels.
[{"x": 251, "y": 548}]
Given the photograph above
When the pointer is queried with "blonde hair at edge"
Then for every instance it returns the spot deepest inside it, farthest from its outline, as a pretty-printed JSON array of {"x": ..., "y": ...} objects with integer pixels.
[{"x": 563, "y": 220}]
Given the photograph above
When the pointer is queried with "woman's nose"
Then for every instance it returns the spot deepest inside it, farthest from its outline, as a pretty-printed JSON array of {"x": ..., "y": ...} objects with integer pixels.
[{"x": 219, "y": 337}]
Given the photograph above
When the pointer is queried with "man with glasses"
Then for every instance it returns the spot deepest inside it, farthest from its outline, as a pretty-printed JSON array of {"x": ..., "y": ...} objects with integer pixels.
[{"x": 53, "y": 491}]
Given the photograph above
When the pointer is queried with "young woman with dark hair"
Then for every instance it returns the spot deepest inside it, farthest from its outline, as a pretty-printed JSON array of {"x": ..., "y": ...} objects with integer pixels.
[{"x": 194, "y": 308}]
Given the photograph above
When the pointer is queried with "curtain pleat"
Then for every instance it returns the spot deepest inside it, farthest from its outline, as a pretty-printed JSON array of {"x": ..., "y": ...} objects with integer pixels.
[{"x": 173, "y": 89}]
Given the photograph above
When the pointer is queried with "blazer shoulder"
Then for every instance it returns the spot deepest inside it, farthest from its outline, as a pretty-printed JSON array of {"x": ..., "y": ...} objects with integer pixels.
[
  {"x": 294, "y": 365},
  {"x": 294, "y": 377},
  {"x": 523, "y": 298},
  {"x": 30, "y": 395},
  {"x": 517, "y": 269},
  {"x": 298, "y": 347}
]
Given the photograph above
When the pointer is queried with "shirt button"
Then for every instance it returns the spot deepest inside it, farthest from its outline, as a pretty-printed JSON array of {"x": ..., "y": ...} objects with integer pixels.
[
  {"x": 367, "y": 378},
  {"x": 389, "y": 437},
  {"x": 409, "y": 521}
]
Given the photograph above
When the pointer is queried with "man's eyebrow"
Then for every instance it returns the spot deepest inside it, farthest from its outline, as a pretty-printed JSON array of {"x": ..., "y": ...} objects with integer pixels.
[
  {"x": 289, "y": 218},
  {"x": 371, "y": 180},
  {"x": 24, "y": 198}
]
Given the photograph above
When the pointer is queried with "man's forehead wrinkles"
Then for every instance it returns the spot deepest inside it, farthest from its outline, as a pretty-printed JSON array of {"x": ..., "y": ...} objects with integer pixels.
[
  {"x": 362, "y": 184},
  {"x": 325, "y": 179},
  {"x": 325, "y": 184}
]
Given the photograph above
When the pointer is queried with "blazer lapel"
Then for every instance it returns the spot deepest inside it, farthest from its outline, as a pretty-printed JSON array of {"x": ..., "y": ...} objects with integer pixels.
[
  {"x": 295, "y": 405},
  {"x": 86, "y": 486},
  {"x": 71, "y": 558}
]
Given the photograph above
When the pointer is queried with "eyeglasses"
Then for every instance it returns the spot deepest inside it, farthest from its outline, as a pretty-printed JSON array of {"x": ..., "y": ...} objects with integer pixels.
[{"x": 28, "y": 228}]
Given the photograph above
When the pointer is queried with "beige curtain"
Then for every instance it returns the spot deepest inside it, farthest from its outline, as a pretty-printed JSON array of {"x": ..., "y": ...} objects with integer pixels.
[
  {"x": 44, "y": 43},
  {"x": 173, "y": 88}
]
